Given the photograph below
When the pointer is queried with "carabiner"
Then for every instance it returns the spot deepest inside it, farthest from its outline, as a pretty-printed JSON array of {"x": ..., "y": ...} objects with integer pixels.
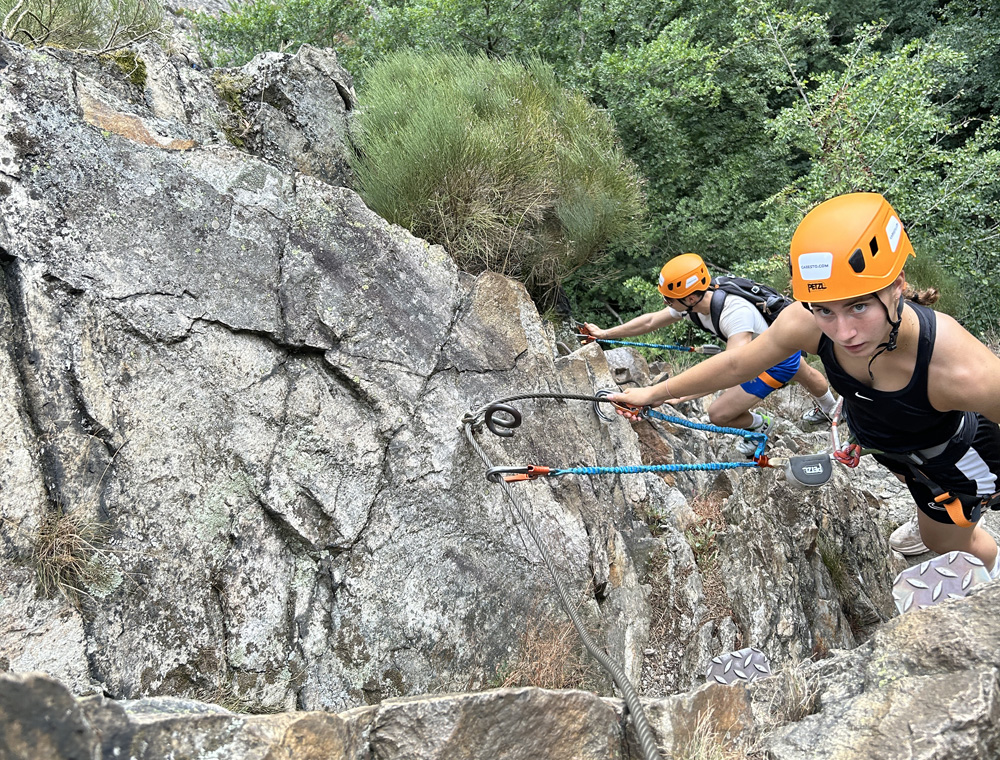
[
  {"x": 616, "y": 405},
  {"x": 513, "y": 474}
]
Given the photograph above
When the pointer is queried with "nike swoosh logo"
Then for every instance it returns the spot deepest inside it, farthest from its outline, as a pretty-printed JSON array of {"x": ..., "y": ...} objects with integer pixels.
[{"x": 860, "y": 396}]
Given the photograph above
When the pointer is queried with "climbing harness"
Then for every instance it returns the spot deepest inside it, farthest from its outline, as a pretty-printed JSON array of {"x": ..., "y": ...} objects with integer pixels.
[{"x": 963, "y": 509}]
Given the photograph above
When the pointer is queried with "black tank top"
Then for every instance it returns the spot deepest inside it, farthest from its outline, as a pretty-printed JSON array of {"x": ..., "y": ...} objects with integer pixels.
[{"x": 894, "y": 421}]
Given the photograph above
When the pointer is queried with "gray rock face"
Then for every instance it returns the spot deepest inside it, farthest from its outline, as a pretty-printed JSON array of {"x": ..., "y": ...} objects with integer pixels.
[
  {"x": 254, "y": 385},
  {"x": 925, "y": 686},
  {"x": 512, "y": 724}
]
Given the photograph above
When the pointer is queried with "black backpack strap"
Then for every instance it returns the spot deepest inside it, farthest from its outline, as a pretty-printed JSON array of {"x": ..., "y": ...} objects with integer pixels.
[
  {"x": 697, "y": 323},
  {"x": 718, "y": 301},
  {"x": 765, "y": 299}
]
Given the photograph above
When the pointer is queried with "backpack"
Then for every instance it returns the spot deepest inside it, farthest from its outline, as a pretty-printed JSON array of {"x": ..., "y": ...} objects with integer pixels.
[{"x": 768, "y": 301}]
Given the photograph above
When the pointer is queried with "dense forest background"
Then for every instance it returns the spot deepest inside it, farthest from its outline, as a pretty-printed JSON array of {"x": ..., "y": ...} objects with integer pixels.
[{"x": 729, "y": 118}]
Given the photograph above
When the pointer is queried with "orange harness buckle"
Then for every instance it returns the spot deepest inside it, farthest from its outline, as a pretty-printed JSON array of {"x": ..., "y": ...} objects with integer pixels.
[{"x": 955, "y": 508}]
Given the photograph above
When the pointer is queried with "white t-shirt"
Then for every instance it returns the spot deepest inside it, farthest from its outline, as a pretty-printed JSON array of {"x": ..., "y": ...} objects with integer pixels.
[{"x": 738, "y": 316}]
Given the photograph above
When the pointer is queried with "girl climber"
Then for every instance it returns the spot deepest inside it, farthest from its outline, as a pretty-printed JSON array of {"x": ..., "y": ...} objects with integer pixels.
[
  {"x": 917, "y": 387},
  {"x": 684, "y": 284}
]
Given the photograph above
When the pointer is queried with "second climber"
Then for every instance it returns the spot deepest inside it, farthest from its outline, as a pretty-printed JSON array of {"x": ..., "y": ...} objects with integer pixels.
[{"x": 685, "y": 284}]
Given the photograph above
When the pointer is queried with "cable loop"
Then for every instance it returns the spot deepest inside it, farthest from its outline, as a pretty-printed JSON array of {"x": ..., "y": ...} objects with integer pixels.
[{"x": 499, "y": 425}]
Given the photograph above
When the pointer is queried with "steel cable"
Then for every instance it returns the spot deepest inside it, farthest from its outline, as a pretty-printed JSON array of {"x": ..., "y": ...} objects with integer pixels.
[{"x": 643, "y": 730}]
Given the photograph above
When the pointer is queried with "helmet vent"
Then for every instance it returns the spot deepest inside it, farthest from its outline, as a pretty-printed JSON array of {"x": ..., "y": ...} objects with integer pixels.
[
  {"x": 857, "y": 261},
  {"x": 874, "y": 246}
]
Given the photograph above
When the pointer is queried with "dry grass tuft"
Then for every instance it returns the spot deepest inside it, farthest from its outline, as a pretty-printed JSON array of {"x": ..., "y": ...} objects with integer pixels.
[
  {"x": 786, "y": 697},
  {"x": 708, "y": 743},
  {"x": 796, "y": 697},
  {"x": 702, "y": 537},
  {"x": 67, "y": 557},
  {"x": 226, "y": 697},
  {"x": 551, "y": 656}
]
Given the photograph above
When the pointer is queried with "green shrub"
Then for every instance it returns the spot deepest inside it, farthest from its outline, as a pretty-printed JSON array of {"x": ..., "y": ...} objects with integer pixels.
[
  {"x": 495, "y": 162},
  {"x": 102, "y": 25},
  {"x": 233, "y": 38}
]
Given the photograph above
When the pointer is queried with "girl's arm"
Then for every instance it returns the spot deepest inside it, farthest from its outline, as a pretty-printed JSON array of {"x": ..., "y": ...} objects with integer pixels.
[
  {"x": 793, "y": 330},
  {"x": 640, "y": 325},
  {"x": 963, "y": 374}
]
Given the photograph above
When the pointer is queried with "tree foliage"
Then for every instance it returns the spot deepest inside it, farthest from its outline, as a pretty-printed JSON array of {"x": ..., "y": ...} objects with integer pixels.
[
  {"x": 233, "y": 38},
  {"x": 879, "y": 122}
]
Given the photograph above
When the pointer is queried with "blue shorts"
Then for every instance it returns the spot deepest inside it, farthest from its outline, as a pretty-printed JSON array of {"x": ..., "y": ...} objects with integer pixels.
[{"x": 774, "y": 378}]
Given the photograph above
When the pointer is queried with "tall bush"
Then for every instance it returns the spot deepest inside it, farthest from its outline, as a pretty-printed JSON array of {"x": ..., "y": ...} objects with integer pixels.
[{"x": 496, "y": 162}]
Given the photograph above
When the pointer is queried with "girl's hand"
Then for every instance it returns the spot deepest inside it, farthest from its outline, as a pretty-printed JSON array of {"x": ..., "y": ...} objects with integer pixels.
[
  {"x": 630, "y": 403},
  {"x": 589, "y": 331}
]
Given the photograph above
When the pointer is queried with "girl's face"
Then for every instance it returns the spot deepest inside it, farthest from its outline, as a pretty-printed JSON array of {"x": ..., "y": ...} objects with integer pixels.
[{"x": 857, "y": 325}]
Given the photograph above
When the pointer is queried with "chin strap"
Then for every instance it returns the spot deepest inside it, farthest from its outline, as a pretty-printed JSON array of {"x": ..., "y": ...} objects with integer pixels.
[
  {"x": 889, "y": 345},
  {"x": 687, "y": 309}
]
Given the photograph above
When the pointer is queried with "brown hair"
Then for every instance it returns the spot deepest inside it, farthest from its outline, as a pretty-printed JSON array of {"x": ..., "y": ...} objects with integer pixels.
[{"x": 925, "y": 297}]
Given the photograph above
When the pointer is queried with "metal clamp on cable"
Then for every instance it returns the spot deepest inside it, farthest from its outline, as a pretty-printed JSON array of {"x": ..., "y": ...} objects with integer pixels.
[{"x": 473, "y": 421}]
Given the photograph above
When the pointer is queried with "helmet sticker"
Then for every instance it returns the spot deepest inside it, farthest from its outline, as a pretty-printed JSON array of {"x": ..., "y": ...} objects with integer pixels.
[
  {"x": 815, "y": 266},
  {"x": 893, "y": 230},
  {"x": 661, "y": 278},
  {"x": 691, "y": 281}
]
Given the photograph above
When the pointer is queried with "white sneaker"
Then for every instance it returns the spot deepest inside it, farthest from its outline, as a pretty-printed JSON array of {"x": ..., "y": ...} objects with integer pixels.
[
  {"x": 816, "y": 416},
  {"x": 748, "y": 447},
  {"x": 906, "y": 538}
]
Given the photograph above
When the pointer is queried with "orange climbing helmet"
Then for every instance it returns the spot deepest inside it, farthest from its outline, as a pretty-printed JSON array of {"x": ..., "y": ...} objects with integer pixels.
[
  {"x": 846, "y": 247},
  {"x": 683, "y": 275}
]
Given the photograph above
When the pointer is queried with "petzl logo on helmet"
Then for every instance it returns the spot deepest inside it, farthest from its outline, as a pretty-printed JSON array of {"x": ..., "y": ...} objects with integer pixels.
[
  {"x": 815, "y": 266},
  {"x": 816, "y": 286},
  {"x": 661, "y": 278},
  {"x": 690, "y": 281},
  {"x": 893, "y": 231}
]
